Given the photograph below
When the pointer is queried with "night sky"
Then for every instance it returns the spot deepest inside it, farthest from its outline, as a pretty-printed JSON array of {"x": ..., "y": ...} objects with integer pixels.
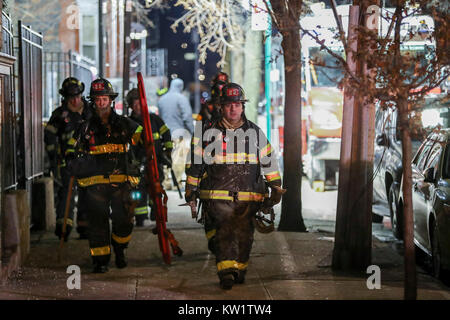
[{"x": 165, "y": 38}]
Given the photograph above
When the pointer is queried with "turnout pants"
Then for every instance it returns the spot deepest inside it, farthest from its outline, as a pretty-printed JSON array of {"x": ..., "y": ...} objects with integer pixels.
[
  {"x": 229, "y": 229},
  {"x": 107, "y": 201}
]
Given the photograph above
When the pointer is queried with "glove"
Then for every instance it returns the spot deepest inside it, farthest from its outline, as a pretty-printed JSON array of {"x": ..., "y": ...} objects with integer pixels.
[
  {"x": 58, "y": 231},
  {"x": 275, "y": 194},
  {"x": 190, "y": 195},
  {"x": 275, "y": 198}
]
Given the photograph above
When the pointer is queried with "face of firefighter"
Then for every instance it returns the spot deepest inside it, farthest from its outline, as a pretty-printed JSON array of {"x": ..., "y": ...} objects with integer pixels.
[
  {"x": 136, "y": 107},
  {"x": 232, "y": 111},
  {"x": 75, "y": 103},
  {"x": 103, "y": 105}
]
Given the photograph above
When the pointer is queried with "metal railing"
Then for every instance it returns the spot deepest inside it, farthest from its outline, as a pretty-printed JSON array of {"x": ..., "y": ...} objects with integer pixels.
[
  {"x": 57, "y": 67},
  {"x": 8, "y": 119},
  {"x": 31, "y": 137}
]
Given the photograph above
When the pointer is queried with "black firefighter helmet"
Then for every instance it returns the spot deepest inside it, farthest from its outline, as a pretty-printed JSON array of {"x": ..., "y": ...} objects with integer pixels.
[
  {"x": 232, "y": 92},
  {"x": 218, "y": 82},
  {"x": 102, "y": 87},
  {"x": 71, "y": 87},
  {"x": 221, "y": 77}
]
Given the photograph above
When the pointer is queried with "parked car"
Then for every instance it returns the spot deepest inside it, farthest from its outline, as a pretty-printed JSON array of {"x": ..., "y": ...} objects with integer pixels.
[
  {"x": 388, "y": 167},
  {"x": 388, "y": 157},
  {"x": 431, "y": 200}
]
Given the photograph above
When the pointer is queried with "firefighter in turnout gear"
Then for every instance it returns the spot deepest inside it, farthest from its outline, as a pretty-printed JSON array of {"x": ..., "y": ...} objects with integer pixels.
[
  {"x": 210, "y": 110},
  {"x": 163, "y": 150},
  {"x": 58, "y": 133},
  {"x": 231, "y": 169},
  {"x": 106, "y": 168}
]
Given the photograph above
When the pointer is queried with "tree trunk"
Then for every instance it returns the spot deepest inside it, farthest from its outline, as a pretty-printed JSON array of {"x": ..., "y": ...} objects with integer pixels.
[
  {"x": 291, "y": 208},
  {"x": 353, "y": 234},
  {"x": 410, "y": 289}
]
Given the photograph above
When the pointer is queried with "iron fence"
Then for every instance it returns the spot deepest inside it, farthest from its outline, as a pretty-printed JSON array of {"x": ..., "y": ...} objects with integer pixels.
[
  {"x": 31, "y": 150},
  {"x": 57, "y": 67},
  {"x": 8, "y": 119}
]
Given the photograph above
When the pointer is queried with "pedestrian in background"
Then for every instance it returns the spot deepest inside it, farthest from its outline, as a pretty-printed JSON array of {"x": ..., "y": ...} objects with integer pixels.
[{"x": 176, "y": 112}]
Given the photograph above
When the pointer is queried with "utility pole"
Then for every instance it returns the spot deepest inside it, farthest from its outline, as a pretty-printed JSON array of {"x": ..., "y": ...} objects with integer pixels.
[
  {"x": 126, "y": 53},
  {"x": 100, "y": 39}
]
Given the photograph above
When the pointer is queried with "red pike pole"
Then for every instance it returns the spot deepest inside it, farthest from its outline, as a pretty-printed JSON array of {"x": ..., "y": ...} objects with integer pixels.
[{"x": 155, "y": 190}]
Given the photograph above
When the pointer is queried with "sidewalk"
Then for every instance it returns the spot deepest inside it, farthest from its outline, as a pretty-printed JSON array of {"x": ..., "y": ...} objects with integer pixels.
[{"x": 283, "y": 266}]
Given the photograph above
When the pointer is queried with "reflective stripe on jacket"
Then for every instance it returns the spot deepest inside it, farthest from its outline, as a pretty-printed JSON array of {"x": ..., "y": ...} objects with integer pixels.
[
  {"x": 232, "y": 164},
  {"x": 105, "y": 156}
]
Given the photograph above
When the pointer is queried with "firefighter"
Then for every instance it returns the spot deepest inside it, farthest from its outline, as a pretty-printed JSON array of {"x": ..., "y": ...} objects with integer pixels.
[
  {"x": 63, "y": 122},
  {"x": 232, "y": 167},
  {"x": 210, "y": 110},
  {"x": 107, "y": 170},
  {"x": 163, "y": 149}
]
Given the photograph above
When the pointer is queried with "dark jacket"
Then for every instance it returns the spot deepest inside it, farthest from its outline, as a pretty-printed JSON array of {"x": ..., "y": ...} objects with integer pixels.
[
  {"x": 223, "y": 170},
  {"x": 104, "y": 154},
  {"x": 60, "y": 129},
  {"x": 161, "y": 136}
]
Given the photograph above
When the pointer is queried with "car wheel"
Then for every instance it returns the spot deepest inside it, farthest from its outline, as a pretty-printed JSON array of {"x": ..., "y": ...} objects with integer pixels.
[
  {"x": 396, "y": 213},
  {"x": 438, "y": 271}
]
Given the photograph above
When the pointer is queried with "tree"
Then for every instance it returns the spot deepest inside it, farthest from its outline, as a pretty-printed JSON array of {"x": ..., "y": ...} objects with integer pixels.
[
  {"x": 399, "y": 79},
  {"x": 286, "y": 17}
]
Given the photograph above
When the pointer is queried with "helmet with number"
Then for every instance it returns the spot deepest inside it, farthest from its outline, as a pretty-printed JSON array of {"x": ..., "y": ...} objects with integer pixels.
[
  {"x": 71, "y": 87},
  {"x": 221, "y": 77},
  {"x": 132, "y": 95},
  {"x": 102, "y": 87},
  {"x": 216, "y": 90},
  {"x": 232, "y": 92}
]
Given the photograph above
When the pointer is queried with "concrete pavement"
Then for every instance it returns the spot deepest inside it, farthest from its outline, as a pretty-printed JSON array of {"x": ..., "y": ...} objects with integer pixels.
[{"x": 283, "y": 266}]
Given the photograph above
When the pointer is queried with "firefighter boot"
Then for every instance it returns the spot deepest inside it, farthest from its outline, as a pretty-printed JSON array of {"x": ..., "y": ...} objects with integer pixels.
[
  {"x": 121, "y": 262},
  {"x": 139, "y": 220},
  {"x": 240, "y": 279},
  {"x": 100, "y": 264},
  {"x": 100, "y": 268},
  {"x": 226, "y": 281}
]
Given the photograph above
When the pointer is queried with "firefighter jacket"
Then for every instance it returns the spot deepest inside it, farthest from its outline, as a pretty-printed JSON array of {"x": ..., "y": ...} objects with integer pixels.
[
  {"x": 209, "y": 112},
  {"x": 231, "y": 164},
  {"x": 161, "y": 137},
  {"x": 60, "y": 129},
  {"x": 103, "y": 151}
]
